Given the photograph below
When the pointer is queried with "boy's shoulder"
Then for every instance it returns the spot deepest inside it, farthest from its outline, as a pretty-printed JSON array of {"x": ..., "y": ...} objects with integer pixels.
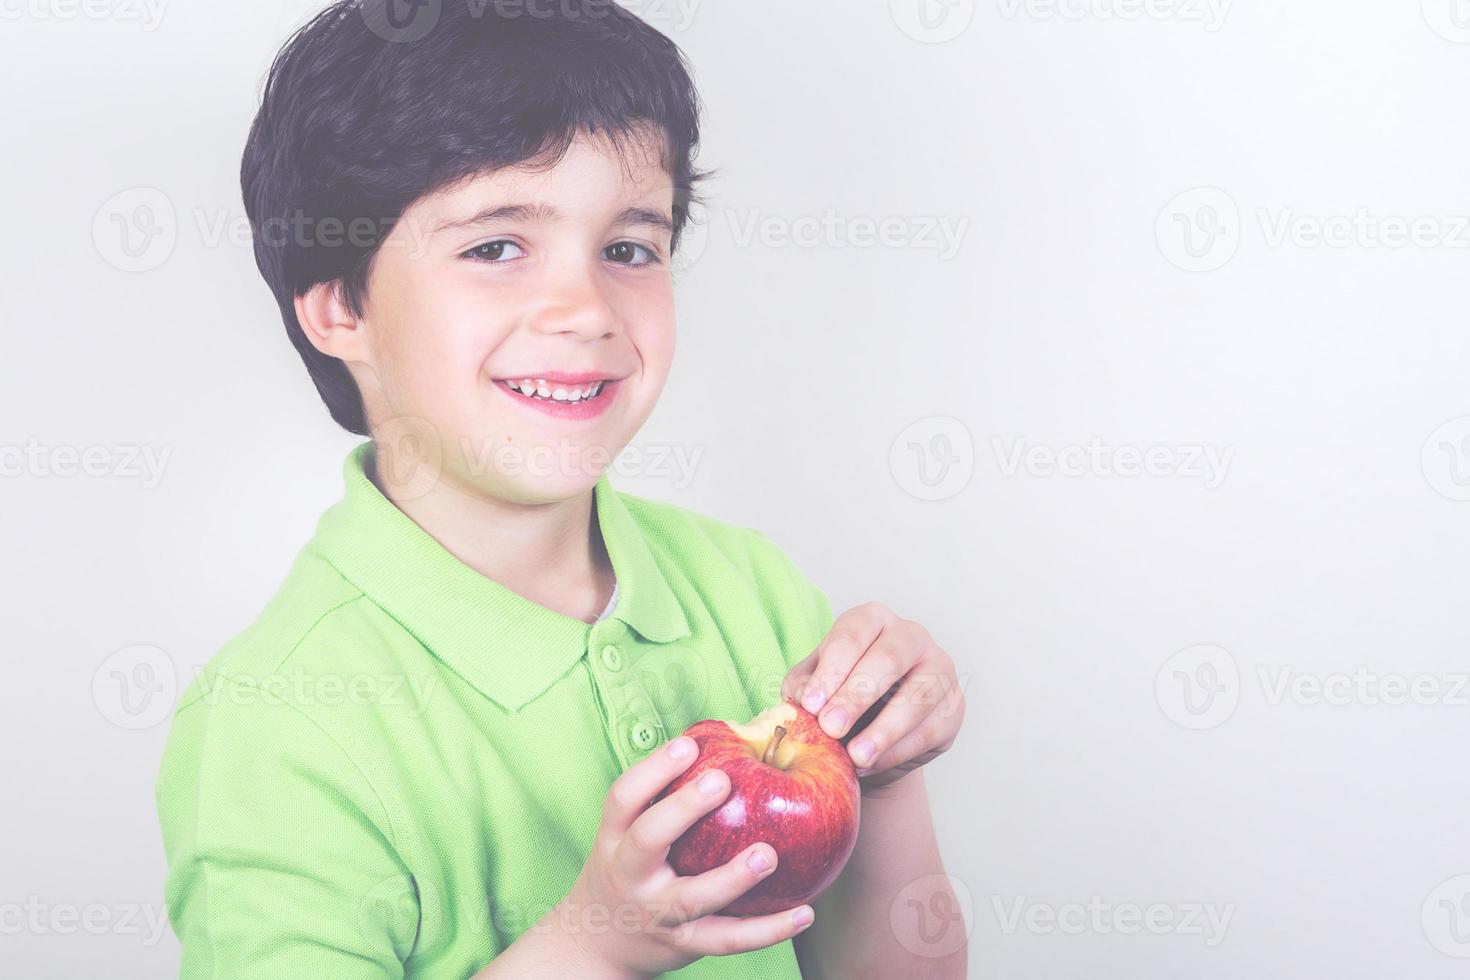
[
  {"x": 710, "y": 553},
  {"x": 317, "y": 618},
  {"x": 313, "y": 600},
  {"x": 689, "y": 538},
  {"x": 727, "y": 563}
]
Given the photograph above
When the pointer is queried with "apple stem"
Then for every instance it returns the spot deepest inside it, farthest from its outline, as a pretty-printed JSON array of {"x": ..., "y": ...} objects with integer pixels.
[{"x": 769, "y": 755}]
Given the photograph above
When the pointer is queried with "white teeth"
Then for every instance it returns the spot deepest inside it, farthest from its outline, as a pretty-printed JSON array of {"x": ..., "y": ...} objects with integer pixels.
[{"x": 540, "y": 389}]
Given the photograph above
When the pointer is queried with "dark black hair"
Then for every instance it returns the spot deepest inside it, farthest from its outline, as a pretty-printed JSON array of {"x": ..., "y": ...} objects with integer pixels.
[{"x": 364, "y": 112}]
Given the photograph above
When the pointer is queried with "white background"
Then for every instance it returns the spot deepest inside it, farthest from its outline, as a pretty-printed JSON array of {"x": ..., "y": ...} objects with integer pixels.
[{"x": 1097, "y": 297}]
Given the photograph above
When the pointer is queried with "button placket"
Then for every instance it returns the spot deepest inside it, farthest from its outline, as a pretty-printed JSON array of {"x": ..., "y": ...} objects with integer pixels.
[
  {"x": 632, "y": 715},
  {"x": 644, "y": 736},
  {"x": 612, "y": 658}
]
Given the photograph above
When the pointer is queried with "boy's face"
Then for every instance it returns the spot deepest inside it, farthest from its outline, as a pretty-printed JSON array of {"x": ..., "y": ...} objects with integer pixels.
[{"x": 524, "y": 322}]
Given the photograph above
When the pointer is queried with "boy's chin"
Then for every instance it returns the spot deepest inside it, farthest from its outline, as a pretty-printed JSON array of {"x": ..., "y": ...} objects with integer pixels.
[
  {"x": 543, "y": 476},
  {"x": 543, "y": 490}
]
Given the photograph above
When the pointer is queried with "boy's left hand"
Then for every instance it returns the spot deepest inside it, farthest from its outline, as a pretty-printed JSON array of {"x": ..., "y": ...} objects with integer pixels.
[{"x": 883, "y": 685}]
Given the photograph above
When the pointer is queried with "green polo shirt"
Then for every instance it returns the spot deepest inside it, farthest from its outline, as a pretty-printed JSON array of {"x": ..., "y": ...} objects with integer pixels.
[{"x": 399, "y": 767}]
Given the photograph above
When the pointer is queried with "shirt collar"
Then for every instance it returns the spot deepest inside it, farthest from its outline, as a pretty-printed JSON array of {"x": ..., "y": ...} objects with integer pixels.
[{"x": 510, "y": 648}]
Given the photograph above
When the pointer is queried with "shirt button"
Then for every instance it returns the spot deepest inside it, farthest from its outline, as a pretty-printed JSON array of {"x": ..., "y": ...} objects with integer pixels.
[
  {"x": 611, "y": 658},
  {"x": 645, "y": 736}
]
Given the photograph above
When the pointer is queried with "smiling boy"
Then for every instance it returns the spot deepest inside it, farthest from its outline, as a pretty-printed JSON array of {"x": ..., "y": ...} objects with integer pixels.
[{"x": 490, "y": 651}]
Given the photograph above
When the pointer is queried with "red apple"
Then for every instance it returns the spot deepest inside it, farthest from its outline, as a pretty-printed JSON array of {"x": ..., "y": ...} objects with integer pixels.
[{"x": 791, "y": 785}]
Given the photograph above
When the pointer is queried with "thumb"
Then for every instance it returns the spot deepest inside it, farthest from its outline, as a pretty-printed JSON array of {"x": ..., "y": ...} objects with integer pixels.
[{"x": 794, "y": 684}]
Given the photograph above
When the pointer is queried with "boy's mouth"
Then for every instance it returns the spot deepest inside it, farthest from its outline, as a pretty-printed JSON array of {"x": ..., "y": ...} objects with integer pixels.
[
  {"x": 540, "y": 389},
  {"x": 563, "y": 395}
]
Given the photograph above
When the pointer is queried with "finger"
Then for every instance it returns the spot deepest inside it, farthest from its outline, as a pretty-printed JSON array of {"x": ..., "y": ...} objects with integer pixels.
[
  {"x": 933, "y": 736},
  {"x": 700, "y": 895},
  {"x": 845, "y": 643},
  {"x": 645, "y": 846},
  {"x": 910, "y": 703},
  {"x": 793, "y": 685},
  {"x": 722, "y": 935},
  {"x": 631, "y": 792},
  {"x": 898, "y": 647}
]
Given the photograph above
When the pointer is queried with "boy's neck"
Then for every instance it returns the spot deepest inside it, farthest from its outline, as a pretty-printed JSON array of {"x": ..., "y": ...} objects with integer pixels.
[{"x": 551, "y": 554}]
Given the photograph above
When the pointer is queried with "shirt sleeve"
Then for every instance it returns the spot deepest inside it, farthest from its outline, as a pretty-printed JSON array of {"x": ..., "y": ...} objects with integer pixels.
[
  {"x": 798, "y": 609},
  {"x": 281, "y": 861}
]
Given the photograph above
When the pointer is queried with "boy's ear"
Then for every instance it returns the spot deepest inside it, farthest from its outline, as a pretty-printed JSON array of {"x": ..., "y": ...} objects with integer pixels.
[{"x": 329, "y": 324}]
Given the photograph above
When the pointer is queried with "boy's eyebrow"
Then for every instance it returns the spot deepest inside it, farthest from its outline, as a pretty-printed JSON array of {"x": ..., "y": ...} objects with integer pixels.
[{"x": 545, "y": 213}]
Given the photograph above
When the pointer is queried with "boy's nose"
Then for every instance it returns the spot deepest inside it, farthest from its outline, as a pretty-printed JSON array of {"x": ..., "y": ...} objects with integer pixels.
[{"x": 577, "y": 306}]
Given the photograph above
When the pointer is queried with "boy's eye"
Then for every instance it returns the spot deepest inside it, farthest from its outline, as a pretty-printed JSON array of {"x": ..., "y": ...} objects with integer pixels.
[
  {"x": 625, "y": 253},
  {"x": 491, "y": 251}
]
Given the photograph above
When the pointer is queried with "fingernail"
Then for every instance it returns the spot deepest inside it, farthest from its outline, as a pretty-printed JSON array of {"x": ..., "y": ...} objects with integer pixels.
[
  {"x": 802, "y": 916},
  {"x": 758, "y": 862},
  {"x": 862, "y": 751},
  {"x": 709, "y": 783},
  {"x": 681, "y": 747},
  {"x": 813, "y": 700},
  {"x": 834, "y": 721}
]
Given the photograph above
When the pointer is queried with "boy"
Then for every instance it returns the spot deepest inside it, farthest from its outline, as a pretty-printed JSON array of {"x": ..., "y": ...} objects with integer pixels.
[{"x": 437, "y": 749}]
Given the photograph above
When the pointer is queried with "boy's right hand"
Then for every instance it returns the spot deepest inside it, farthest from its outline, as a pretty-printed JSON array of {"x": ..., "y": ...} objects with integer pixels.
[{"x": 649, "y": 920}]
